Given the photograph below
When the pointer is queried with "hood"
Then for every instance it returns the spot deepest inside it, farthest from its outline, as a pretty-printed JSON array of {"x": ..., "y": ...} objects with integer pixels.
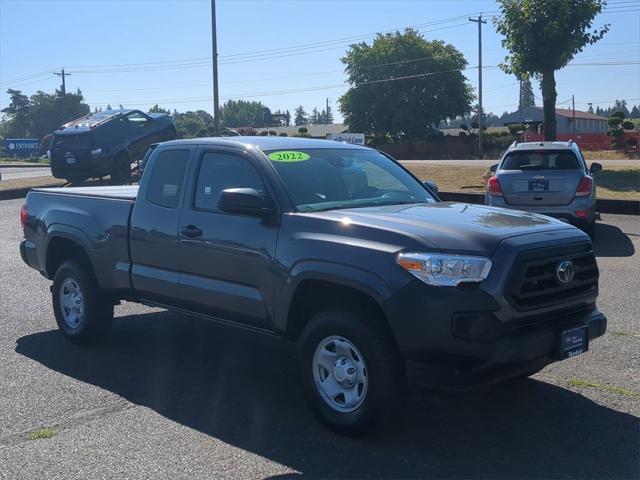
[{"x": 453, "y": 227}]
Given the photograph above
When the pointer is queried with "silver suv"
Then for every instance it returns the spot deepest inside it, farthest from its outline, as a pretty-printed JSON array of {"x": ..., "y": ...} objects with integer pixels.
[{"x": 550, "y": 178}]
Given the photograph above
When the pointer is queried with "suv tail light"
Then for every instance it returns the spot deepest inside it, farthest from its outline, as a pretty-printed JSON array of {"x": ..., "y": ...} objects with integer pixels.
[
  {"x": 584, "y": 189},
  {"x": 495, "y": 189},
  {"x": 23, "y": 215}
]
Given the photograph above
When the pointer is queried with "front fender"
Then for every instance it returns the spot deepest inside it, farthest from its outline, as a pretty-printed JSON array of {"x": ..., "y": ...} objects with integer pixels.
[{"x": 362, "y": 280}]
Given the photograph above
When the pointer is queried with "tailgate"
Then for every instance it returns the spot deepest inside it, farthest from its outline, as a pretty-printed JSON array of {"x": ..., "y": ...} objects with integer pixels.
[{"x": 540, "y": 187}]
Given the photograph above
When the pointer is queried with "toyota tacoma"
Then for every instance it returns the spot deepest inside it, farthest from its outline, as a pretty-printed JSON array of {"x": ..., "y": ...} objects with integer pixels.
[{"x": 334, "y": 247}]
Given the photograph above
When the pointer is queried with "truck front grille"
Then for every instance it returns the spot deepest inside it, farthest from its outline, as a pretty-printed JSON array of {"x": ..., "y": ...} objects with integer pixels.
[{"x": 533, "y": 282}]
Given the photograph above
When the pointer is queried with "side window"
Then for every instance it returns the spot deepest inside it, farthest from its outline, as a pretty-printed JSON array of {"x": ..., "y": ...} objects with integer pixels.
[
  {"x": 219, "y": 171},
  {"x": 167, "y": 178},
  {"x": 137, "y": 119}
]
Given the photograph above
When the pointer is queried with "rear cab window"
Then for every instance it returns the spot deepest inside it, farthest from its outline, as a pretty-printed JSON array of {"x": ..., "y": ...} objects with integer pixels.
[
  {"x": 541, "y": 160},
  {"x": 167, "y": 177},
  {"x": 79, "y": 140}
]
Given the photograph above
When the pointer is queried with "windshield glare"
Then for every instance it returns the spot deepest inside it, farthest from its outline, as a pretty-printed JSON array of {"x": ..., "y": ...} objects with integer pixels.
[
  {"x": 328, "y": 179},
  {"x": 541, "y": 160}
]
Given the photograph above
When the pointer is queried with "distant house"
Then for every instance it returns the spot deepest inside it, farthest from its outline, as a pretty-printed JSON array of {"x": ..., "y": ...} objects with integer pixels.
[
  {"x": 315, "y": 131},
  {"x": 567, "y": 121}
]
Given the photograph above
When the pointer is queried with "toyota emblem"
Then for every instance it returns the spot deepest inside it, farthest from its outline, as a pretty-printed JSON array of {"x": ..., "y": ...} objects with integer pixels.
[{"x": 565, "y": 271}]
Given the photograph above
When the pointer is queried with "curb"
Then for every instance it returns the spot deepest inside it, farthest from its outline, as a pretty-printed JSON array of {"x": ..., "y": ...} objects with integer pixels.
[
  {"x": 13, "y": 193},
  {"x": 603, "y": 205},
  {"x": 24, "y": 165}
]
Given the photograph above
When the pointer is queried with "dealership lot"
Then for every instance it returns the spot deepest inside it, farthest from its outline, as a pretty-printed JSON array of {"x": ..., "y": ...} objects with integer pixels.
[{"x": 174, "y": 397}]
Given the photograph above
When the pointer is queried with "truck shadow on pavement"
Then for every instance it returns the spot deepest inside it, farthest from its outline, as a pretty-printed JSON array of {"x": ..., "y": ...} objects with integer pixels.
[
  {"x": 612, "y": 242},
  {"x": 241, "y": 389}
]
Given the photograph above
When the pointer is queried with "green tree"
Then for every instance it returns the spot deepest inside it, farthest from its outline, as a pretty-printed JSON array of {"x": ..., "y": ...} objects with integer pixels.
[
  {"x": 48, "y": 112},
  {"x": 17, "y": 113},
  {"x": 315, "y": 118},
  {"x": 542, "y": 36},
  {"x": 404, "y": 85},
  {"x": 192, "y": 124},
  {"x": 241, "y": 113},
  {"x": 527, "y": 99},
  {"x": 42, "y": 113},
  {"x": 157, "y": 109},
  {"x": 300, "y": 116}
]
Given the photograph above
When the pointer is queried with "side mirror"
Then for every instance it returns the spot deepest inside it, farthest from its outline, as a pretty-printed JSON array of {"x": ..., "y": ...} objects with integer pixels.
[
  {"x": 595, "y": 167},
  {"x": 431, "y": 186},
  {"x": 244, "y": 201},
  {"x": 493, "y": 168}
]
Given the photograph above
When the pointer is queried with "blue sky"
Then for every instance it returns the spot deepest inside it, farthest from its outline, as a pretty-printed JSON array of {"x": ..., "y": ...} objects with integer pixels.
[{"x": 139, "y": 53}]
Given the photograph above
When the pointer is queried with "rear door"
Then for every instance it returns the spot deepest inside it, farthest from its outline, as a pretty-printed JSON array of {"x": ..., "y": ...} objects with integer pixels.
[
  {"x": 541, "y": 177},
  {"x": 227, "y": 259},
  {"x": 154, "y": 226}
]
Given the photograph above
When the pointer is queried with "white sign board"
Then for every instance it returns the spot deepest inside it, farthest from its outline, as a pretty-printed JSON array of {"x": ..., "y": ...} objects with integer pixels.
[{"x": 355, "y": 138}]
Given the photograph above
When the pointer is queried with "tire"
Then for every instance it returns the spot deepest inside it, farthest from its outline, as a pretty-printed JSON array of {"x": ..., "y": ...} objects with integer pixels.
[
  {"x": 121, "y": 169},
  {"x": 83, "y": 313},
  {"x": 364, "y": 358}
]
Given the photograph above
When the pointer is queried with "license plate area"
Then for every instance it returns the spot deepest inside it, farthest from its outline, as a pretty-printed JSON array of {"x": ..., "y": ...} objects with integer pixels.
[
  {"x": 573, "y": 342},
  {"x": 70, "y": 160},
  {"x": 538, "y": 185}
]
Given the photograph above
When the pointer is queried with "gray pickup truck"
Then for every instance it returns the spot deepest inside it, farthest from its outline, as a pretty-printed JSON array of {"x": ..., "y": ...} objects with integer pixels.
[{"x": 334, "y": 247}]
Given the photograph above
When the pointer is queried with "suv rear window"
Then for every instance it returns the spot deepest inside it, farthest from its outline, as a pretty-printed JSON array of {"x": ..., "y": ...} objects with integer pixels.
[
  {"x": 81, "y": 140},
  {"x": 541, "y": 160}
]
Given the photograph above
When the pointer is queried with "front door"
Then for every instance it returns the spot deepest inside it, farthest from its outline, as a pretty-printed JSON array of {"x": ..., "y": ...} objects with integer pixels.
[{"x": 226, "y": 259}]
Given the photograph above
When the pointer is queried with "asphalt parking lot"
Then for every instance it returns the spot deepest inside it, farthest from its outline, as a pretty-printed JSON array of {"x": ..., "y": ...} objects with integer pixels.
[{"x": 176, "y": 397}]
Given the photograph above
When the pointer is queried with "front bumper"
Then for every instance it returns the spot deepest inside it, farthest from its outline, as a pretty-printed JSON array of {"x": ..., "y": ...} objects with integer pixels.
[{"x": 481, "y": 335}]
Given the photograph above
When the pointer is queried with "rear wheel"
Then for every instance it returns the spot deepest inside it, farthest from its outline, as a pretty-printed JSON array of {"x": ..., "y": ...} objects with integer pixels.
[
  {"x": 121, "y": 169},
  {"x": 351, "y": 372},
  {"x": 82, "y": 312}
]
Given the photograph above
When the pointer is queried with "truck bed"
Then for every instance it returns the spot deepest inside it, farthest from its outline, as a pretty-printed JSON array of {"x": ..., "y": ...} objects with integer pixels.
[
  {"x": 121, "y": 192},
  {"x": 96, "y": 218}
]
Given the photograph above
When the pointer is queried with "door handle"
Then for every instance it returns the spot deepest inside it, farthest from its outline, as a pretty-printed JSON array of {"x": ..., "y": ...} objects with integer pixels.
[{"x": 191, "y": 231}]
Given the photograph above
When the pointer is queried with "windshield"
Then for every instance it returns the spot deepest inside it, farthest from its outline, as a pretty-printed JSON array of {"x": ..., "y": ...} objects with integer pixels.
[
  {"x": 325, "y": 179},
  {"x": 541, "y": 160}
]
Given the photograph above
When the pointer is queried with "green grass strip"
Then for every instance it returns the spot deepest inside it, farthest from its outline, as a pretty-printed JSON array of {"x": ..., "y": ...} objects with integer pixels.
[{"x": 603, "y": 388}]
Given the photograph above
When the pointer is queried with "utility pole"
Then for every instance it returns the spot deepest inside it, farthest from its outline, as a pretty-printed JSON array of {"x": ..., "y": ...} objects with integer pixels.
[
  {"x": 63, "y": 74},
  {"x": 573, "y": 116},
  {"x": 326, "y": 118},
  {"x": 479, "y": 21},
  {"x": 214, "y": 54}
]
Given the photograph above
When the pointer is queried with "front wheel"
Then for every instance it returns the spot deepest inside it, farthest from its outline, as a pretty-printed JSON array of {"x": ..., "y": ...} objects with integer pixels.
[
  {"x": 351, "y": 372},
  {"x": 82, "y": 312}
]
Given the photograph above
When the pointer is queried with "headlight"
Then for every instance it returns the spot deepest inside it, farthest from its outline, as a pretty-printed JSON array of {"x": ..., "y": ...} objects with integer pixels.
[
  {"x": 49, "y": 154},
  {"x": 444, "y": 270},
  {"x": 97, "y": 152}
]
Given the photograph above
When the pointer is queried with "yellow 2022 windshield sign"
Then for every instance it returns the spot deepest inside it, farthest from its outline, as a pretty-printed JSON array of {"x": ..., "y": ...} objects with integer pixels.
[{"x": 288, "y": 156}]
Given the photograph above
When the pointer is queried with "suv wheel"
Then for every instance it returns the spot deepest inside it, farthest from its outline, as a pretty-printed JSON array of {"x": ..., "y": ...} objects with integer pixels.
[
  {"x": 82, "y": 312},
  {"x": 351, "y": 372},
  {"x": 121, "y": 169}
]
